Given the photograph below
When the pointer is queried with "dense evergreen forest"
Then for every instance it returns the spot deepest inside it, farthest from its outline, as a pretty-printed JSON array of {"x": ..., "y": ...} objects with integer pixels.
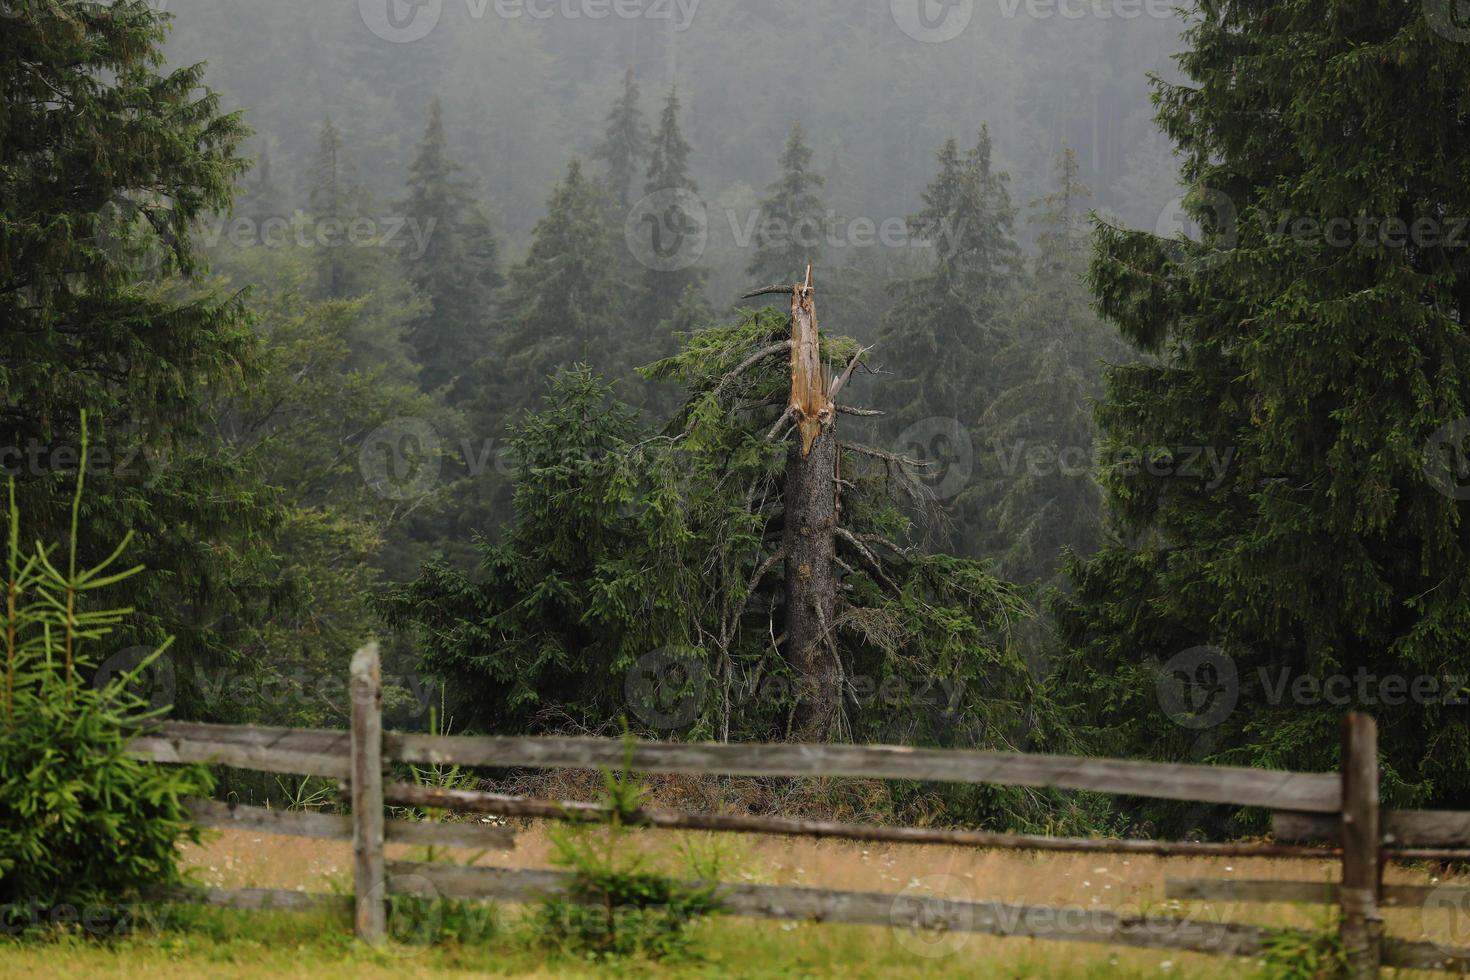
[{"x": 1134, "y": 420}]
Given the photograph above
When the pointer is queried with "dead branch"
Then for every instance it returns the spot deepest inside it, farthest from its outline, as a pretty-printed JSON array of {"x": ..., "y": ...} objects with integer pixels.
[
  {"x": 865, "y": 413},
  {"x": 846, "y": 376},
  {"x": 770, "y": 291},
  {"x": 867, "y": 556},
  {"x": 884, "y": 455},
  {"x": 781, "y": 424}
]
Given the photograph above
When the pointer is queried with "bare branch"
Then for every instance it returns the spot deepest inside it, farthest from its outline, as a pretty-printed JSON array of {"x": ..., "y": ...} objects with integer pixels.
[
  {"x": 886, "y": 456},
  {"x": 867, "y": 556},
  {"x": 846, "y": 376},
  {"x": 781, "y": 424},
  {"x": 780, "y": 347},
  {"x": 864, "y": 413},
  {"x": 770, "y": 291}
]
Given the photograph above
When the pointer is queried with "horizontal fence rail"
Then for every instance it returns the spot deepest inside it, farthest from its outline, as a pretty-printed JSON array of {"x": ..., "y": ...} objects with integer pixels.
[
  {"x": 1313, "y": 792},
  {"x": 1331, "y": 816},
  {"x": 468, "y": 801},
  {"x": 331, "y": 826},
  {"x": 327, "y": 754}
]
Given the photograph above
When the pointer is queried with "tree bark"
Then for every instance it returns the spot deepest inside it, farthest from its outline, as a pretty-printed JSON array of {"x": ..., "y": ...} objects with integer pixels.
[{"x": 811, "y": 531}]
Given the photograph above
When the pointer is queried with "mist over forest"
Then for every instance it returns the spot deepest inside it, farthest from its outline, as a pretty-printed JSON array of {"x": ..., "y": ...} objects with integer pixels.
[{"x": 1080, "y": 378}]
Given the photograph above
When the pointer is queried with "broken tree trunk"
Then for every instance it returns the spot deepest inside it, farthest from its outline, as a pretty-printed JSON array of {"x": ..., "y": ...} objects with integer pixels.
[{"x": 811, "y": 530}]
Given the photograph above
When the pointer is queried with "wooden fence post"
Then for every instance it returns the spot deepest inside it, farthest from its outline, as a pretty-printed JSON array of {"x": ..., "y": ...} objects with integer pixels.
[
  {"x": 369, "y": 874},
  {"x": 1362, "y": 924}
]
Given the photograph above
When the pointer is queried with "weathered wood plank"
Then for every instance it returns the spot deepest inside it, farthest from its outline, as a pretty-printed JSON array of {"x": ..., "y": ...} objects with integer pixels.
[
  {"x": 1362, "y": 922},
  {"x": 1074, "y": 924},
  {"x": 291, "y": 823},
  {"x": 1401, "y": 828},
  {"x": 332, "y": 826},
  {"x": 1312, "y": 792},
  {"x": 280, "y": 750},
  {"x": 1425, "y": 956},
  {"x": 466, "y": 836},
  {"x": 1305, "y": 892},
  {"x": 403, "y": 794},
  {"x": 369, "y": 875},
  {"x": 255, "y": 899}
]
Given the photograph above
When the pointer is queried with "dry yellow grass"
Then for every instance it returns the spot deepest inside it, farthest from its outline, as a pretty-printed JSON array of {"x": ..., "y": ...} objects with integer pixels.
[{"x": 301, "y": 946}]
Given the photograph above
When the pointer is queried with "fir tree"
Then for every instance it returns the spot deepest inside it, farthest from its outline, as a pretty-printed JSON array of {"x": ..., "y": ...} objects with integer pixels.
[
  {"x": 1276, "y": 473},
  {"x": 458, "y": 269},
  {"x": 1037, "y": 492},
  {"x": 624, "y": 146},
  {"x": 668, "y": 170},
  {"x": 793, "y": 221},
  {"x": 952, "y": 319},
  {"x": 335, "y": 200},
  {"x": 564, "y": 302},
  {"x": 108, "y": 163}
]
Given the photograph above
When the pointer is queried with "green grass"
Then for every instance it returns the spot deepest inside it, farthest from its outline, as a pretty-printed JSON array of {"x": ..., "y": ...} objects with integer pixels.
[{"x": 225, "y": 944}]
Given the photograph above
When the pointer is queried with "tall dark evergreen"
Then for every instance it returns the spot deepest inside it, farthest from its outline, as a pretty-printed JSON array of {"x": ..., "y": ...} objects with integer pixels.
[
  {"x": 108, "y": 162},
  {"x": 1316, "y": 337},
  {"x": 625, "y": 143},
  {"x": 564, "y": 303},
  {"x": 792, "y": 226},
  {"x": 336, "y": 201},
  {"x": 953, "y": 319},
  {"x": 452, "y": 257},
  {"x": 1037, "y": 490},
  {"x": 676, "y": 213}
]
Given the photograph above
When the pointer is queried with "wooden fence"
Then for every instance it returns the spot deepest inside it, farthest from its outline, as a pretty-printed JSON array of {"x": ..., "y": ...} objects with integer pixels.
[{"x": 1316, "y": 816}]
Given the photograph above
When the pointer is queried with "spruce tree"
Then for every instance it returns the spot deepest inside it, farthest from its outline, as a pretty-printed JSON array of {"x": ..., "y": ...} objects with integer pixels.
[
  {"x": 668, "y": 171},
  {"x": 792, "y": 225},
  {"x": 946, "y": 325},
  {"x": 458, "y": 270},
  {"x": 1314, "y": 340},
  {"x": 624, "y": 146},
  {"x": 108, "y": 161},
  {"x": 1037, "y": 491},
  {"x": 336, "y": 200},
  {"x": 564, "y": 303}
]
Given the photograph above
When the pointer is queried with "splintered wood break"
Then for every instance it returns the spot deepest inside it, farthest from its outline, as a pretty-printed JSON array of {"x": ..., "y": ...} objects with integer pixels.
[{"x": 810, "y": 403}]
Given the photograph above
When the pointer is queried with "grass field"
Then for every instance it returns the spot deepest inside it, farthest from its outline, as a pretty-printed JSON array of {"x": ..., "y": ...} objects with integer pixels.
[{"x": 216, "y": 943}]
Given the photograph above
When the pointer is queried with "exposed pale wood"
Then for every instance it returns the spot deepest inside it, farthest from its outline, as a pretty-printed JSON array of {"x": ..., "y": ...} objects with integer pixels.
[
  {"x": 369, "y": 877},
  {"x": 332, "y": 826},
  {"x": 404, "y": 794},
  {"x": 1305, "y": 892},
  {"x": 1074, "y": 924},
  {"x": 809, "y": 388},
  {"x": 255, "y": 899},
  {"x": 1314, "y": 792},
  {"x": 1401, "y": 828},
  {"x": 1362, "y": 923}
]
